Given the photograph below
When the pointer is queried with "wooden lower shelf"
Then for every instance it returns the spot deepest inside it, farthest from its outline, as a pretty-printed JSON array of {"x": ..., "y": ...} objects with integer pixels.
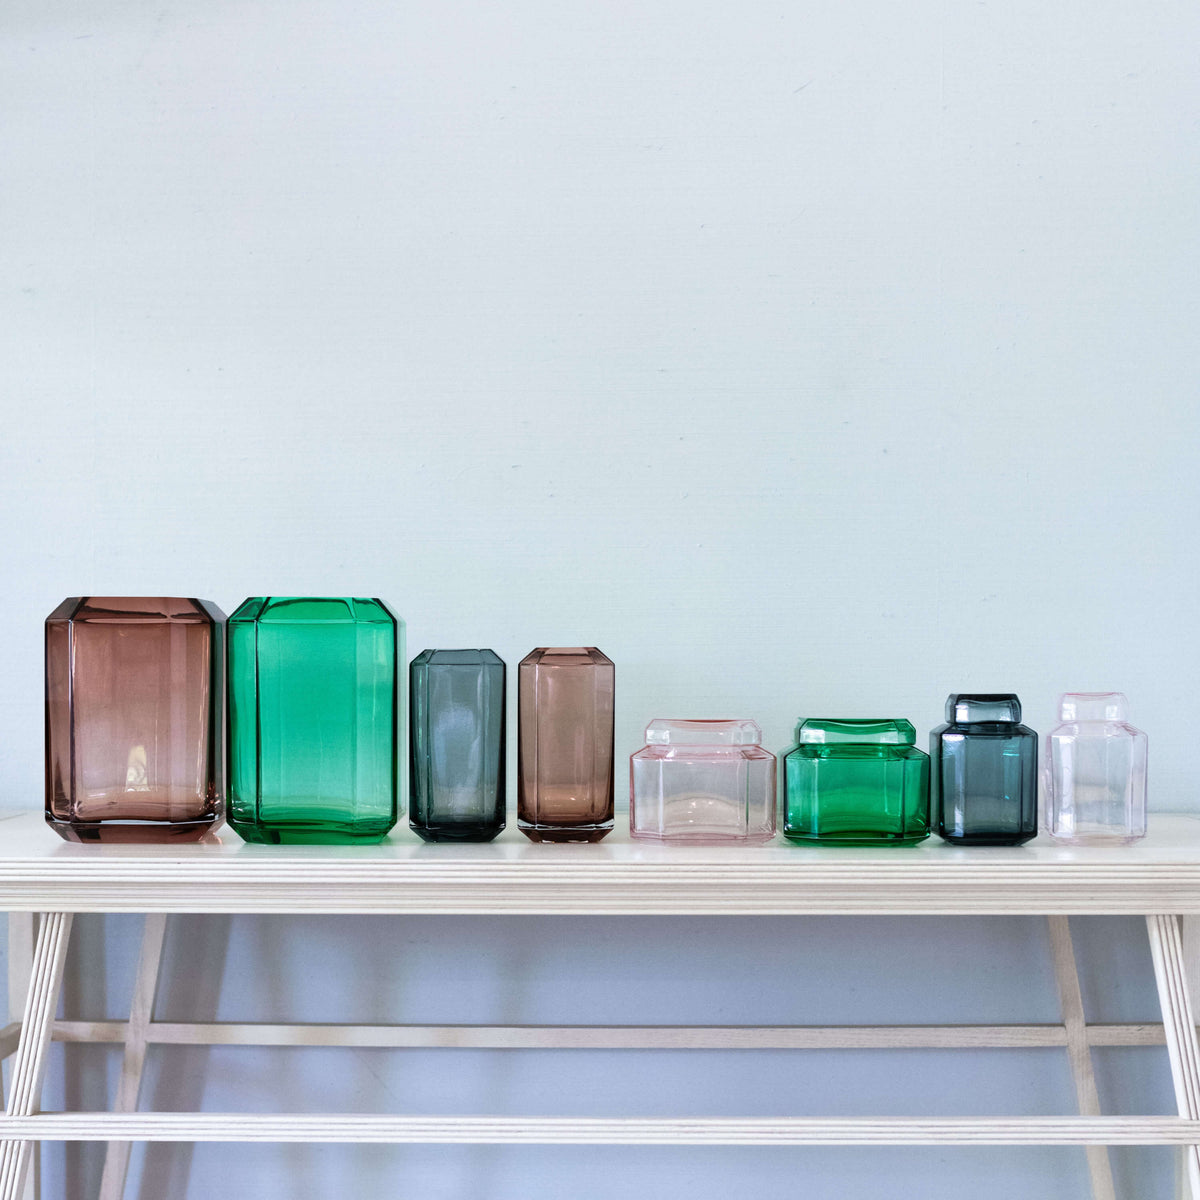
[{"x": 624, "y": 1131}]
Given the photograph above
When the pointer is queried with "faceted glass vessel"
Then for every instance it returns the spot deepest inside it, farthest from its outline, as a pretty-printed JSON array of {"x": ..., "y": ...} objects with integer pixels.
[
  {"x": 983, "y": 781},
  {"x": 702, "y": 781},
  {"x": 314, "y": 712},
  {"x": 1094, "y": 771},
  {"x": 135, "y": 704},
  {"x": 856, "y": 783},
  {"x": 457, "y": 749},
  {"x": 565, "y": 744}
]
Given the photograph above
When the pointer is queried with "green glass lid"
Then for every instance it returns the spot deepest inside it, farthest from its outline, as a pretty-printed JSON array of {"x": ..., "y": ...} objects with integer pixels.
[{"x": 874, "y": 732}]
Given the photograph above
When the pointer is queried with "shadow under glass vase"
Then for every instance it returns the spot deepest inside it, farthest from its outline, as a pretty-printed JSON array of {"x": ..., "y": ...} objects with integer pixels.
[
  {"x": 565, "y": 700},
  {"x": 457, "y": 791},
  {"x": 134, "y": 718},
  {"x": 314, "y": 714}
]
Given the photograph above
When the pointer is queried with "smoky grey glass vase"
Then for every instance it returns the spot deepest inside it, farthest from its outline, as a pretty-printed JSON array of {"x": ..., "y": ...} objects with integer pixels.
[{"x": 457, "y": 747}]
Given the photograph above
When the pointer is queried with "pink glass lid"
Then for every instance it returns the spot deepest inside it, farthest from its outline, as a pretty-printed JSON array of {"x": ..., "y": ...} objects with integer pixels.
[
  {"x": 673, "y": 732},
  {"x": 1093, "y": 706}
]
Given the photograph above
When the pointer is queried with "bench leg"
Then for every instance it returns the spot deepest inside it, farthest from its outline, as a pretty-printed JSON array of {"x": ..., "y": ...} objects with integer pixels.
[
  {"x": 41, "y": 1004},
  {"x": 1166, "y": 947},
  {"x": 141, "y": 1011},
  {"x": 22, "y": 930},
  {"x": 1079, "y": 1053}
]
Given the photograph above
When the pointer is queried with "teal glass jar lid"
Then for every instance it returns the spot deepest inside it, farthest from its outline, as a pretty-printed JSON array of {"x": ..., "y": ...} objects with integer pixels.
[{"x": 975, "y": 708}]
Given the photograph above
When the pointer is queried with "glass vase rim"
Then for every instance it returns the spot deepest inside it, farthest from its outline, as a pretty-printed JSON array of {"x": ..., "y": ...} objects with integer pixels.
[
  {"x": 262, "y": 610},
  {"x": 428, "y": 657},
  {"x": 197, "y": 611},
  {"x": 593, "y": 654}
]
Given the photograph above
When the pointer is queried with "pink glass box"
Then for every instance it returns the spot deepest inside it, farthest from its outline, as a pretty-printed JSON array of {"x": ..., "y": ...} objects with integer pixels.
[{"x": 703, "y": 782}]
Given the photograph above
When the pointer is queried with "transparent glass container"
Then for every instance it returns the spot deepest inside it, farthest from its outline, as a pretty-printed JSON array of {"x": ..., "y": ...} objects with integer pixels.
[
  {"x": 983, "y": 772},
  {"x": 565, "y": 699},
  {"x": 856, "y": 783},
  {"x": 702, "y": 781},
  {"x": 314, "y": 714},
  {"x": 1094, "y": 772},
  {"x": 135, "y": 718},
  {"x": 457, "y": 745}
]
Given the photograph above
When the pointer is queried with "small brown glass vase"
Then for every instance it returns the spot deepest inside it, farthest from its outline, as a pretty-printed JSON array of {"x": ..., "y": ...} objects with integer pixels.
[{"x": 565, "y": 744}]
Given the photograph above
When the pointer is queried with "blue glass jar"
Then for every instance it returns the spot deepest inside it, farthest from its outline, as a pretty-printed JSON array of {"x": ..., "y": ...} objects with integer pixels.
[{"x": 984, "y": 779}]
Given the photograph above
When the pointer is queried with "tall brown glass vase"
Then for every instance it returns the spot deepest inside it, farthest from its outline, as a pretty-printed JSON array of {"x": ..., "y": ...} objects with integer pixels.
[
  {"x": 135, "y": 701},
  {"x": 565, "y": 744}
]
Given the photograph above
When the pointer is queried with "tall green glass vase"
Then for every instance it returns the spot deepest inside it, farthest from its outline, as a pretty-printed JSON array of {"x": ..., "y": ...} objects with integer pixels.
[
  {"x": 856, "y": 783},
  {"x": 314, "y": 715}
]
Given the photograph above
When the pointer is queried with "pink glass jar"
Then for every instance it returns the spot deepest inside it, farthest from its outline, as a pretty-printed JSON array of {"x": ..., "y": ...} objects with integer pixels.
[
  {"x": 702, "y": 782},
  {"x": 1094, "y": 772}
]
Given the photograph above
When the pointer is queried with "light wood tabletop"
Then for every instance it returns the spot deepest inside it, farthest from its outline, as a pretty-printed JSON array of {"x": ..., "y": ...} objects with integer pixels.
[{"x": 41, "y": 873}]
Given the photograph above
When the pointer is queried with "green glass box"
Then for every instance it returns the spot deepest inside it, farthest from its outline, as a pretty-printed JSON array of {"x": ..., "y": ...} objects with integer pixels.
[
  {"x": 856, "y": 783},
  {"x": 314, "y": 719}
]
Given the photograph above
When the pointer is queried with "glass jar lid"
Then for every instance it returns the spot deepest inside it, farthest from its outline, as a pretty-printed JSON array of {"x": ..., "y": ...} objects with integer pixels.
[
  {"x": 665, "y": 731},
  {"x": 875, "y": 732},
  {"x": 967, "y": 708},
  {"x": 1093, "y": 706}
]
